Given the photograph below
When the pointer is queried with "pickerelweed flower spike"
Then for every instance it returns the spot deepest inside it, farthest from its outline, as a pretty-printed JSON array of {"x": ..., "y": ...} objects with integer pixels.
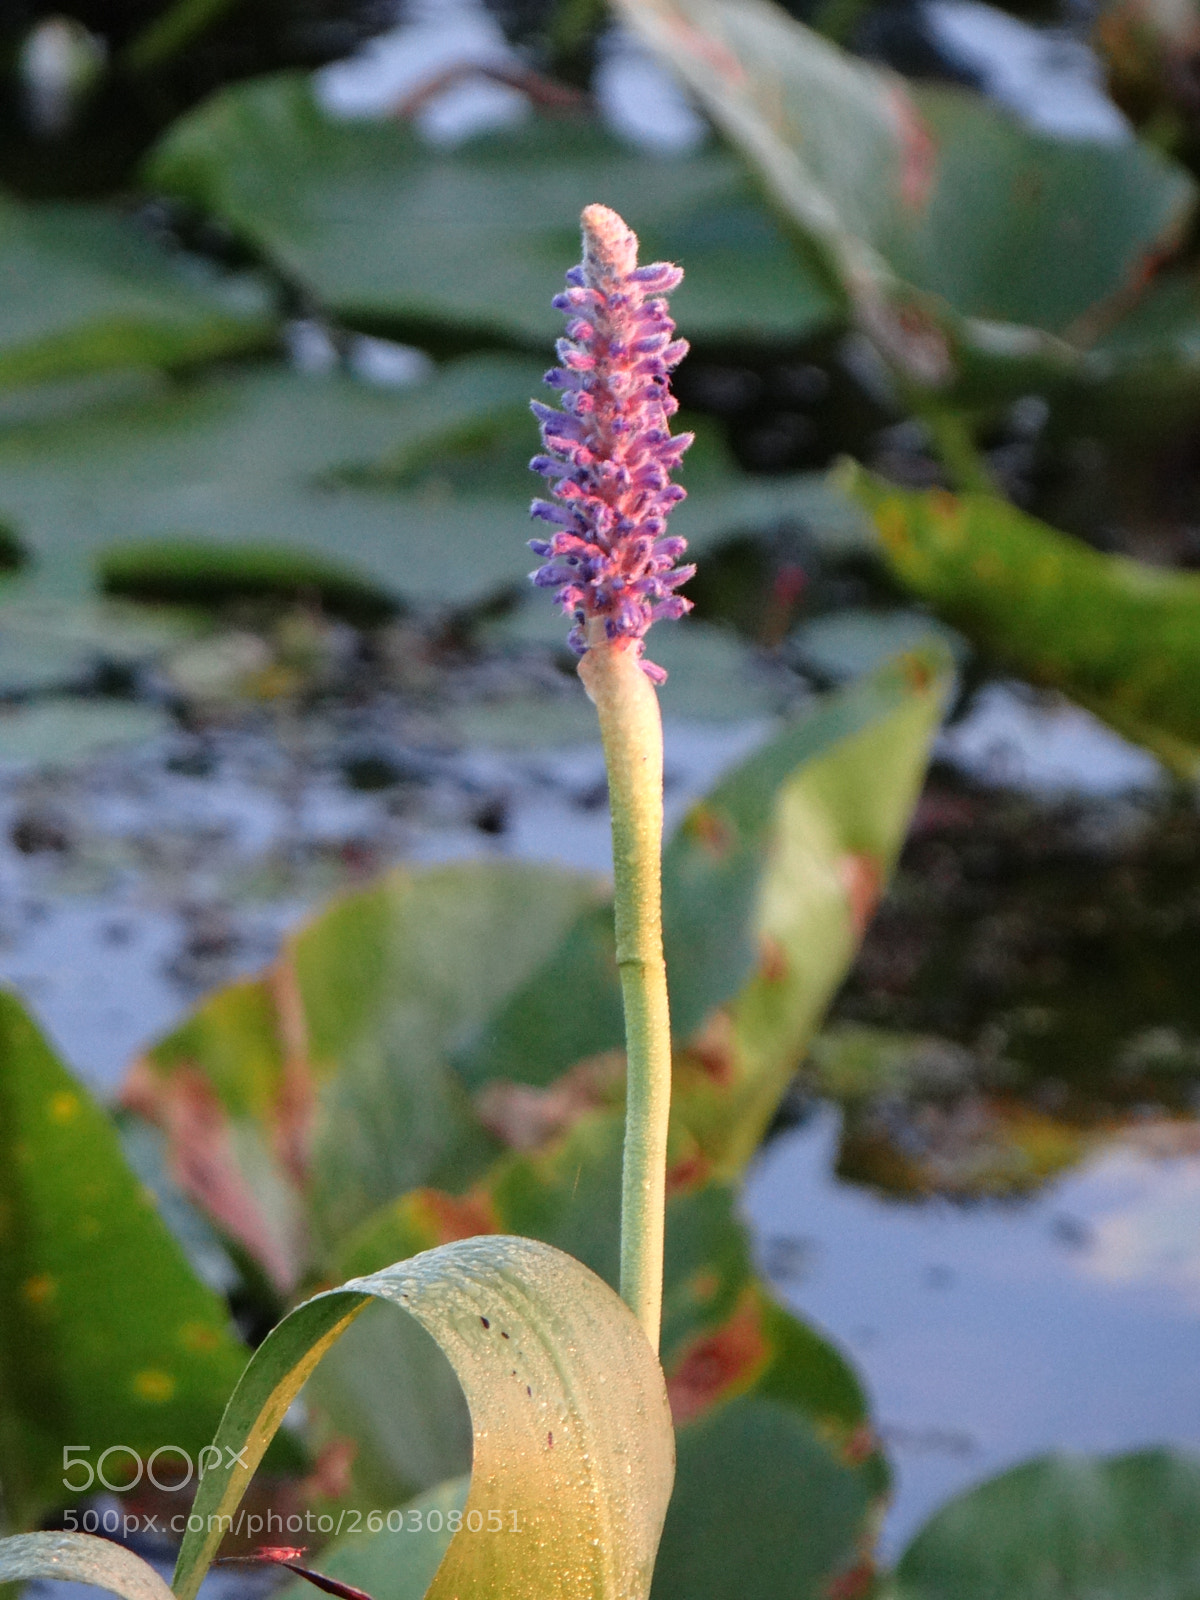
[{"x": 609, "y": 451}]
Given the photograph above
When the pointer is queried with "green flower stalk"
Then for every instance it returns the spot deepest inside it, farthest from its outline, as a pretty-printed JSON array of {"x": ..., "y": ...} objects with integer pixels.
[{"x": 610, "y": 453}]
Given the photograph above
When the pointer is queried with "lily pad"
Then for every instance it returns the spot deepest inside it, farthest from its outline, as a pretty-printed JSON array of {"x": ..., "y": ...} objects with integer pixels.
[
  {"x": 1116, "y": 1529},
  {"x": 249, "y": 475},
  {"x": 83, "y": 290},
  {"x": 391, "y": 233},
  {"x": 58, "y": 731}
]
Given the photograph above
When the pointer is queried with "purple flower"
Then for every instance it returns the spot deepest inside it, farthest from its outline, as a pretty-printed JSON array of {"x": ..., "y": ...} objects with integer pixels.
[{"x": 609, "y": 451}]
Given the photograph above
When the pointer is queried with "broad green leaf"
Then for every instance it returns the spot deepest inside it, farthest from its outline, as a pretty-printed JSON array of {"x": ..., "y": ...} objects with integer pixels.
[
  {"x": 1125, "y": 1528},
  {"x": 57, "y": 731},
  {"x": 82, "y": 289},
  {"x": 760, "y": 1512},
  {"x": 756, "y": 1395},
  {"x": 272, "y": 481},
  {"x": 205, "y": 572},
  {"x": 51, "y": 646},
  {"x": 912, "y": 203},
  {"x": 80, "y": 1558},
  {"x": 572, "y": 1432},
  {"x": 329, "y": 1076},
  {"x": 1087, "y": 214},
  {"x": 389, "y": 232},
  {"x": 245, "y": 459},
  {"x": 1120, "y": 637},
  {"x": 767, "y": 886},
  {"x": 396, "y": 1562},
  {"x": 106, "y": 1337}
]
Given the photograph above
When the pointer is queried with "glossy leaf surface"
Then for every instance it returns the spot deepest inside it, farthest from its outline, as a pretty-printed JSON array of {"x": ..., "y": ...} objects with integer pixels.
[
  {"x": 83, "y": 290},
  {"x": 80, "y": 1558},
  {"x": 767, "y": 886},
  {"x": 82, "y": 1360},
  {"x": 911, "y": 203},
  {"x": 1121, "y": 637},
  {"x": 1125, "y": 1528},
  {"x": 572, "y": 1433},
  {"x": 388, "y": 231},
  {"x": 297, "y": 1103},
  {"x": 756, "y": 1394}
]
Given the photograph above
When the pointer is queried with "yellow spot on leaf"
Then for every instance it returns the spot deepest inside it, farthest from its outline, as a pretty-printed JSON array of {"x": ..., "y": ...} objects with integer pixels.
[
  {"x": 87, "y": 1227},
  {"x": 40, "y": 1289},
  {"x": 64, "y": 1106},
  {"x": 153, "y": 1385},
  {"x": 196, "y": 1336}
]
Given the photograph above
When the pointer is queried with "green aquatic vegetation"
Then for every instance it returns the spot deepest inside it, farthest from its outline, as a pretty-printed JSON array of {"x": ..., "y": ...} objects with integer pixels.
[{"x": 462, "y": 1092}]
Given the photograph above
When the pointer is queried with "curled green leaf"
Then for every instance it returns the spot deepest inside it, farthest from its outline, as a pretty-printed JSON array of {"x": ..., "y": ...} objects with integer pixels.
[
  {"x": 573, "y": 1448},
  {"x": 80, "y": 1558}
]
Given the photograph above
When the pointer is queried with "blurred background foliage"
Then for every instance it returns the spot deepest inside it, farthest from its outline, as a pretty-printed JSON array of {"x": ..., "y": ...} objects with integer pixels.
[{"x": 268, "y": 332}]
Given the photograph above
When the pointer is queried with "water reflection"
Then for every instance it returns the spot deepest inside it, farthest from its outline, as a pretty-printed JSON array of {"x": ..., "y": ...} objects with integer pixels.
[{"x": 992, "y": 1332}]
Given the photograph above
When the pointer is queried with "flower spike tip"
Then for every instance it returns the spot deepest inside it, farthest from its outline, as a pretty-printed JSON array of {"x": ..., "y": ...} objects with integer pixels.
[{"x": 609, "y": 451}]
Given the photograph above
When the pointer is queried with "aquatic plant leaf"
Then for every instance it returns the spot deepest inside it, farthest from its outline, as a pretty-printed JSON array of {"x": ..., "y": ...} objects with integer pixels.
[
  {"x": 59, "y": 730},
  {"x": 397, "y": 1562},
  {"x": 1120, "y": 637},
  {"x": 572, "y": 1432},
  {"x": 755, "y": 1393},
  {"x": 82, "y": 1360},
  {"x": 910, "y": 201},
  {"x": 321, "y": 1089},
  {"x": 273, "y": 482},
  {"x": 1119, "y": 1528},
  {"x": 761, "y": 1511},
  {"x": 768, "y": 885},
  {"x": 84, "y": 290},
  {"x": 247, "y": 460},
  {"x": 390, "y": 233},
  {"x": 80, "y": 1558}
]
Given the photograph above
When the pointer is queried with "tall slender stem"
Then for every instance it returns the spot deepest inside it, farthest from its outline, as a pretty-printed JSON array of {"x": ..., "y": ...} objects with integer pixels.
[{"x": 631, "y": 728}]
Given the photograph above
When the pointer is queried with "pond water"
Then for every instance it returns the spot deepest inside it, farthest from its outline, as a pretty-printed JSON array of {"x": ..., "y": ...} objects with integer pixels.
[{"x": 990, "y": 1332}]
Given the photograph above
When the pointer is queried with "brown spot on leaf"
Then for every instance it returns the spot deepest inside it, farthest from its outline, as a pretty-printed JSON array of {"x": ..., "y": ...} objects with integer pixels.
[
  {"x": 772, "y": 960},
  {"x": 524, "y": 1117},
  {"x": 712, "y": 1051},
  {"x": 703, "y": 1285},
  {"x": 855, "y": 1582},
  {"x": 862, "y": 879},
  {"x": 916, "y": 671},
  {"x": 448, "y": 1217},
  {"x": 918, "y": 151},
  {"x": 720, "y": 1364},
  {"x": 295, "y": 1103},
  {"x": 711, "y": 829},
  {"x": 201, "y": 1160},
  {"x": 688, "y": 1172},
  {"x": 712, "y": 52},
  {"x": 860, "y": 1446}
]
